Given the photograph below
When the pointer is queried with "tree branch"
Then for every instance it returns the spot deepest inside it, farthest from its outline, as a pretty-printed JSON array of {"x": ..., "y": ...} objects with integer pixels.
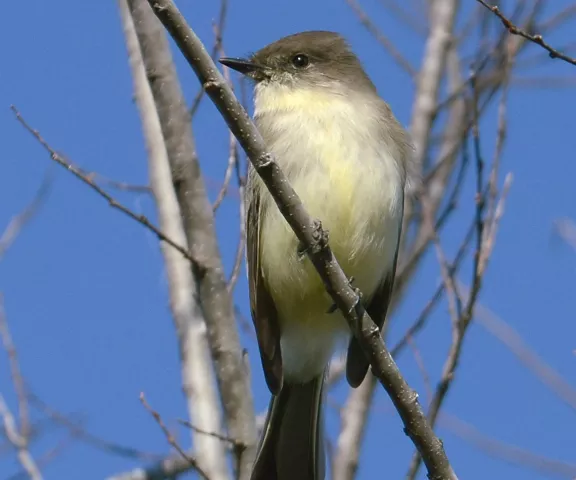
[
  {"x": 310, "y": 233},
  {"x": 537, "y": 39},
  {"x": 199, "y": 226},
  {"x": 197, "y": 373}
]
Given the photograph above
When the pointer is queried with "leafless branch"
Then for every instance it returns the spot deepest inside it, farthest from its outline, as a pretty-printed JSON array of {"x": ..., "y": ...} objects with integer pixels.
[
  {"x": 504, "y": 332},
  {"x": 485, "y": 228},
  {"x": 19, "y": 442},
  {"x": 199, "y": 226},
  {"x": 78, "y": 431},
  {"x": 421, "y": 367},
  {"x": 18, "y": 222},
  {"x": 197, "y": 371},
  {"x": 218, "y": 37},
  {"x": 118, "y": 185},
  {"x": 16, "y": 373},
  {"x": 171, "y": 440},
  {"x": 382, "y": 39},
  {"x": 46, "y": 458},
  {"x": 566, "y": 228},
  {"x": 18, "y": 437},
  {"x": 217, "y": 435},
  {"x": 313, "y": 238},
  {"x": 233, "y": 157},
  {"x": 409, "y": 19},
  {"x": 241, "y": 179},
  {"x": 442, "y": 18},
  {"x": 344, "y": 467},
  {"x": 509, "y": 453},
  {"x": 77, "y": 172},
  {"x": 537, "y": 39}
]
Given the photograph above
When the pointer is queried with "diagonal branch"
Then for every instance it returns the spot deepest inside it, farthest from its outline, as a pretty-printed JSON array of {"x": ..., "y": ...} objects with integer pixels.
[
  {"x": 77, "y": 172},
  {"x": 537, "y": 39},
  {"x": 314, "y": 239}
]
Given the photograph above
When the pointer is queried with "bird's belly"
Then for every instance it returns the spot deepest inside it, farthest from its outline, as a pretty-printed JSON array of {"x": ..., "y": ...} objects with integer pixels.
[
  {"x": 360, "y": 208},
  {"x": 362, "y": 218}
]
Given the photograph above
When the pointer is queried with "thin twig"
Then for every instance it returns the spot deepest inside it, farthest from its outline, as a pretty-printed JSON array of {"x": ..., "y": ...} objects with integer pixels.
[
  {"x": 77, "y": 172},
  {"x": 537, "y": 39},
  {"x": 18, "y": 437},
  {"x": 233, "y": 157},
  {"x": 79, "y": 432},
  {"x": 509, "y": 453},
  {"x": 461, "y": 316},
  {"x": 18, "y": 222},
  {"x": 16, "y": 373},
  {"x": 421, "y": 367},
  {"x": 219, "y": 436},
  {"x": 241, "y": 179},
  {"x": 218, "y": 37},
  {"x": 409, "y": 19},
  {"x": 382, "y": 39},
  {"x": 566, "y": 228},
  {"x": 170, "y": 438},
  {"x": 504, "y": 332},
  {"x": 118, "y": 185}
]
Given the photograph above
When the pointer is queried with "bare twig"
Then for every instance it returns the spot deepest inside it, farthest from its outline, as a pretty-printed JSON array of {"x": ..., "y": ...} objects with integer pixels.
[
  {"x": 77, "y": 172},
  {"x": 409, "y": 19},
  {"x": 18, "y": 222},
  {"x": 79, "y": 432},
  {"x": 509, "y": 453},
  {"x": 118, "y": 185},
  {"x": 46, "y": 457},
  {"x": 241, "y": 179},
  {"x": 170, "y": 438},
  {"x": 566, "y": 228},
  {"x": 485, "y": 229},
  {"x": 219, "y": 436},
  {"x": 443, "y": 15},
  {"x": 219, "y": 31},
  {"x": 16, "y": 373},
  {"x": 504, "y": 332},
  {"x": 382, "y": 39},
  {"x": 421, "y": 367},
  {"x": 353, "y": 427},
  {"x": 18, "y": 437},
  {"x": 313, "y": 238},
  {"x": 233, "y": 157},
  {"x": 232, "y": 161},
  {"x": 19, "y": 442},
  {"x": 537, "y": 39}
]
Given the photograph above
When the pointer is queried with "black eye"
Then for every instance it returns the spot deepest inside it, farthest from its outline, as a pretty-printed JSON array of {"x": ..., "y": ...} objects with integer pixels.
[{"x": 300, "y": 60}]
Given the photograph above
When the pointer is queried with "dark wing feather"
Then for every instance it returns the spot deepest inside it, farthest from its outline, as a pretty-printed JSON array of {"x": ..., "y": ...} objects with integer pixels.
[
  {"x": 356, "y": 362},
  {"x": 264, "y": 314}
]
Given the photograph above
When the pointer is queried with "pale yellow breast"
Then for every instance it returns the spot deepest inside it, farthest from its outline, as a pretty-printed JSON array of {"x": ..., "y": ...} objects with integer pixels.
[{"x": 330, "y": 148}]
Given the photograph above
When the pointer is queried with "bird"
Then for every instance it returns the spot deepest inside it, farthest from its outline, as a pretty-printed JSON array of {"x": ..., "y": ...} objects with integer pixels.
[{"x": 346, "y": 156}]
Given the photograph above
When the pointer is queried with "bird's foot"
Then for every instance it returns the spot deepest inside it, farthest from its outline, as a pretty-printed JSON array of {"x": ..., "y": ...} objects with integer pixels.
[{"x": 319, "y": 241}]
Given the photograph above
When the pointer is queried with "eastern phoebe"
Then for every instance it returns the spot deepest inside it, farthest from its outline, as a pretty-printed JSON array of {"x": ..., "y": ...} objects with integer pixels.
[{"x": 345, "y": 155}]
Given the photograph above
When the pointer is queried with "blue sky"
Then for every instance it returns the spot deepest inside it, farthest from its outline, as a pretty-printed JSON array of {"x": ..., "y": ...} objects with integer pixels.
[{"x": 84, "y": 288}]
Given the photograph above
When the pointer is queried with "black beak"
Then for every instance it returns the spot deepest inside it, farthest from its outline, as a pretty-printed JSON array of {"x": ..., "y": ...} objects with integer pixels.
[{"x": 241, "y": 65}]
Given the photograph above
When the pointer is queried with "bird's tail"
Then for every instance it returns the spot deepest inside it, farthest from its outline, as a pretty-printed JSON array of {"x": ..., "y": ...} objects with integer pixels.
[{"x": 292, "y": 444}]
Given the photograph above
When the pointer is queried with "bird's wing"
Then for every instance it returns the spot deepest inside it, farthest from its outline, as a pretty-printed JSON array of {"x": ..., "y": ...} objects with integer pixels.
[
  {"x": 356, "y": 362},
  {"x": 264, "y": 314}
]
